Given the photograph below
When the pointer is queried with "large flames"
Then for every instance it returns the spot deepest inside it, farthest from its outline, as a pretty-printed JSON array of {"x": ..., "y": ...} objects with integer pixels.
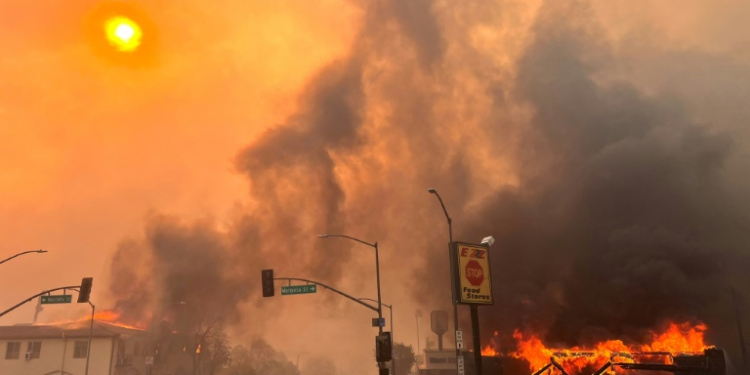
[
  {"x": 676, "y": 339},
  {"x": 113, "y": 318},
  {"x": 108, "y": 316}
]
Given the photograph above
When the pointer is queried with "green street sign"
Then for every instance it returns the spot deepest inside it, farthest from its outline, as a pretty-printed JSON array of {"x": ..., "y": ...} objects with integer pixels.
[
  {"x": 298, "y": 289},
  {"x": 46, "y": 300}
]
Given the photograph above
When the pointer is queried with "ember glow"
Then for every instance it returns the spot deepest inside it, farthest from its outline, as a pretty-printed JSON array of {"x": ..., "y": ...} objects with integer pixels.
[{"x": 676, "y": 339}]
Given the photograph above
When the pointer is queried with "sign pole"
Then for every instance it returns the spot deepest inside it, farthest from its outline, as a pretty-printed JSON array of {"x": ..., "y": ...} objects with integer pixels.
[
  {"x": 475, "y": 335},
  {"x": 473, "y": 287},
  {"x": 91, "y": 331}
]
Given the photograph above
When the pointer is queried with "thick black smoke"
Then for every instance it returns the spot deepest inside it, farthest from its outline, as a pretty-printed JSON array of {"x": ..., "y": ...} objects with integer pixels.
[{"x": 615, "y": 208}]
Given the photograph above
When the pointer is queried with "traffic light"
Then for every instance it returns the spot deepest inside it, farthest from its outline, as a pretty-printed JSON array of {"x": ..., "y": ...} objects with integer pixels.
[
  {"x": 268, "y": 289},
  {"x": 383, "y": 347},
  {"x": 85, "y": 290}
]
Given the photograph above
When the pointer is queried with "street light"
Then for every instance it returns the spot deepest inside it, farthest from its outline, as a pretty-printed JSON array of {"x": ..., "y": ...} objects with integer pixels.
[
  {"x": 393, "y": 340},
  {"x": 25, "y": 252},
  {"x": 377, "y": 272},
  {"x": 453, "y": 287}
]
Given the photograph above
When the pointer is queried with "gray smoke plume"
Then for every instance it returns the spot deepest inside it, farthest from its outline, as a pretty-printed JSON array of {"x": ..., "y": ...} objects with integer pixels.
[{"x": 616, "y": 208}]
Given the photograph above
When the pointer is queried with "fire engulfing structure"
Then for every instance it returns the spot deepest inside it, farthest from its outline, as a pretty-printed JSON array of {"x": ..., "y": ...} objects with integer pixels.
[
  {"x": 680, "y": 349},
  {"x": 609, "y": 177}
]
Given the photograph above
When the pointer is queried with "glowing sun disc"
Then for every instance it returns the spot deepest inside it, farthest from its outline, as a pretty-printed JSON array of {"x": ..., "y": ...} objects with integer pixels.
[{"x": 123, "y": 33}]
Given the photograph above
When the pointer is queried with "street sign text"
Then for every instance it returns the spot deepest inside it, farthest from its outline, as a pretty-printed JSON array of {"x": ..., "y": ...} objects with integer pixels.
[
  {"x": 298, "y": 289},
  {"x": 47, "y": 300}
]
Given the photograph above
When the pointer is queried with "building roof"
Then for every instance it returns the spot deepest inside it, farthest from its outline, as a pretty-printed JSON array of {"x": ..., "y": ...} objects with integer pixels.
[{"x": 73, "y": 329}]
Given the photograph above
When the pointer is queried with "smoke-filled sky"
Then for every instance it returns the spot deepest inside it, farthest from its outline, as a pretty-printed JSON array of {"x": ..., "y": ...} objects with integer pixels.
[{"x": 603, "y": 144}]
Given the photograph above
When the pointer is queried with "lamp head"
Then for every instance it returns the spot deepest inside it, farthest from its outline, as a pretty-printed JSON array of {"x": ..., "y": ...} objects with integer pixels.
[
  {"x": 489, "y": 240},
  {"x": 432, "y": 190},
  {"x": 41, "y": 251},
  {"x": 322, "y": 236}
]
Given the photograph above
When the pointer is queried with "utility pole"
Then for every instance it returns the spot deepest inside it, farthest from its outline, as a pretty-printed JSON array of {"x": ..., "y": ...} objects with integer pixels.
[
  {"x": 459, "y": 359},
  {"x": 417, "y": 315},
  {"x": 743, "y": 346}
]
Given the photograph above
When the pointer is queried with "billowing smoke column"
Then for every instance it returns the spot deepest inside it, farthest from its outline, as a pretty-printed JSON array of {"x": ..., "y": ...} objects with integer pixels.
[{"x": 615, "y": 202}]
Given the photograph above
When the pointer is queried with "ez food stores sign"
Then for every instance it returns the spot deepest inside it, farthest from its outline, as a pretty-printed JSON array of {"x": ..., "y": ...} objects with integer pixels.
[{"x": 471, "y": 273}]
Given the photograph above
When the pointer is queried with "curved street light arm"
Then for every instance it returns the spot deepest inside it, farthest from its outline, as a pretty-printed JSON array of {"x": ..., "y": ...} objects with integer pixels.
[
  {"x": 25, "y": 252},
  {"x": 349, "y": 237},
  {"x": 74, "y": 287},
  {"x": 331, "y": 289},
  {"x": 445, "y": 211},
  {"x": 376, "y": 301}
]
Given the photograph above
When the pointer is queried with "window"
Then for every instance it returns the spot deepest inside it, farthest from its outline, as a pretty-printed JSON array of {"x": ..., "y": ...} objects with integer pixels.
[
  {"x": 34, "y": 349},
  {"x": 81, "y": 349},
  {"x": 13, "y": 350}
]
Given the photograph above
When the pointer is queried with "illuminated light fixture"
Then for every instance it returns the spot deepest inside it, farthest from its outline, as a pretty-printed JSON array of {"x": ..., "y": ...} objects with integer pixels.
[{"x": 123, "y": 33}]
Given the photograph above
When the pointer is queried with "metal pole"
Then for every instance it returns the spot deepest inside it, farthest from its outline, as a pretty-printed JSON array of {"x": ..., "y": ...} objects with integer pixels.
[
  {"x": 91, "y": 332},
  {"x": 450, "y": 241},
  {"x": 377, "y": 275},
  {"x": 380, "y": 303},
  {"x": 743, "y": 346},
  {"x": 475, "y": 336},
  {"x": 455, "y": 305},
  {"x": 419, "y": 350},
  {"x": 393, "y": 347}
]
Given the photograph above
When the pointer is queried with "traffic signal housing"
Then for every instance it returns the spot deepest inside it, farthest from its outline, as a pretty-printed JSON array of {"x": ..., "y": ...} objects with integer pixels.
[
  {"x": 267, "y": 278},
  {"x": 383, "y": 347},
  {"x": 85, "y": 290}
]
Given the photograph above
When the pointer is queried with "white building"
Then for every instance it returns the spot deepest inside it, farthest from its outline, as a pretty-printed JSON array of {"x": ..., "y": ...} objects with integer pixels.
[{"x": 62, "y": 349}]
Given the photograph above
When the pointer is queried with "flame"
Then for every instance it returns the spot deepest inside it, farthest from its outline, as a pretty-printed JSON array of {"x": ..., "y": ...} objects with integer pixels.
[
  {"x": 676, "y": 339},
  {"x": 489, "y": 351},
  {"x": 107, "y": 316},
  {"x": 113, "y": 317}
]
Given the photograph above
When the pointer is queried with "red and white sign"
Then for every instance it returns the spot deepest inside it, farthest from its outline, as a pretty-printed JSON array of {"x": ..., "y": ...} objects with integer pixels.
[
  {"x": 472, "y": 268},
  {"x": 474, "y": 273}
]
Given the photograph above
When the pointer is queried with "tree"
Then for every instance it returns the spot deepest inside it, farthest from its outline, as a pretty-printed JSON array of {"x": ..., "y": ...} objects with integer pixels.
[
  {"x": 405, "y": 358},
  {"x": 241, "y": 363},
  {"x": 319, "y": 366},
  {"x": 259, "y": 359},
  {"x": 216, "y": 355}
]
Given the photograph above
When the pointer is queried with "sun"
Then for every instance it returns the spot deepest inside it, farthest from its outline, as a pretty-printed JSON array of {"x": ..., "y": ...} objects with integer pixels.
[{"x": 123, "y": 33}]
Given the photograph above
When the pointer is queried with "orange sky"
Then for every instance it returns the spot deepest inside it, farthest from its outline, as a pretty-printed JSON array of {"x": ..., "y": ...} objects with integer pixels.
[{"x": 91, "y": 146}]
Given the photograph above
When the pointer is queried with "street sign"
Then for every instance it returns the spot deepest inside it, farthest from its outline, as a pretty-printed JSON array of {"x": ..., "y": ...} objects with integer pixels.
[
  {"x": 48, "y": 300},
  {"x": 460, "y": 362},
  {"x": 298, "y": 289},
  {"x": 375, "y": 322},
  {"x": 459, "y": 340},
  {"x": 149, "y": 361},
  {"x": 471, "y": 270}
]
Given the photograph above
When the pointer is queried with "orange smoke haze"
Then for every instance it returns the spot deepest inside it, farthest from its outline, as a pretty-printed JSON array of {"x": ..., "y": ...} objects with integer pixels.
[{"x": 577, "y": 133}]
